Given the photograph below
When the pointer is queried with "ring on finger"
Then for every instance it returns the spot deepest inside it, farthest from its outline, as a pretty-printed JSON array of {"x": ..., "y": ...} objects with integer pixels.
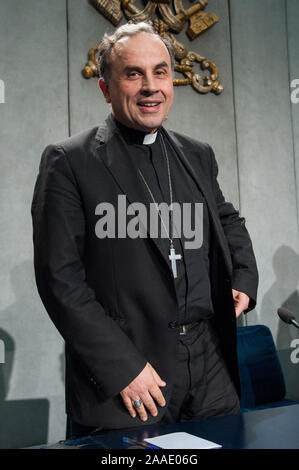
[{"x": 137, "y": 403}]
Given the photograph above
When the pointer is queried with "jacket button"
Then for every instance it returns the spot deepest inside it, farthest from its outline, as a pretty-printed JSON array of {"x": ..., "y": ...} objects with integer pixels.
[{"x": 173, "y": 324}]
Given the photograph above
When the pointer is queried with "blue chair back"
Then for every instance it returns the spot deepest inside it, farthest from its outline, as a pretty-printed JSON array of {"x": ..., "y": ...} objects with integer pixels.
[{"x": 262, "y": 380}]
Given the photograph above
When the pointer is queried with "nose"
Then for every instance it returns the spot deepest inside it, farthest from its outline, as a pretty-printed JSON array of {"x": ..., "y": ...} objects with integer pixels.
[{"x": 149, "y": 84}]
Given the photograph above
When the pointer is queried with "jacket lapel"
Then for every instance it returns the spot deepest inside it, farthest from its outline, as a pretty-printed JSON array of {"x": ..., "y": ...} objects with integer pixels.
[{"x": 201, "y": 184}]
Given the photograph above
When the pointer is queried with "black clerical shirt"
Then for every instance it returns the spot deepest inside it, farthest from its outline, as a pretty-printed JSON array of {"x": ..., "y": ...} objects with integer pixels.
[{"x": 193, "y": 282}]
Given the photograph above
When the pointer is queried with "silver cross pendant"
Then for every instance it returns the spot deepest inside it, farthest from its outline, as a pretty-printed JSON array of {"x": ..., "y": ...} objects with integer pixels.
[{"x": 174, "y": 257}]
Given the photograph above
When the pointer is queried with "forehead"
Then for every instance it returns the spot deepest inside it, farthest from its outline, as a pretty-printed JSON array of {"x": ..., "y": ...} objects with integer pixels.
[{"x": 143, "y": 48}]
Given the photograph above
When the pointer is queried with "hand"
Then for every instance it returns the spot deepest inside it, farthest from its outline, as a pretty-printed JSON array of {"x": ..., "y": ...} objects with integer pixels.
[
  {"x": 241, "y": 302},
  {"x": 145, "y": 386}
]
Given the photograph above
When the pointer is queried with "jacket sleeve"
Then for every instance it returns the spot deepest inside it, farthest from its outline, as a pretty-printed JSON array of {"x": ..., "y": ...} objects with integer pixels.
[
  {"x": 107, "y": 355},
  {"x": 245, "y": 273}
]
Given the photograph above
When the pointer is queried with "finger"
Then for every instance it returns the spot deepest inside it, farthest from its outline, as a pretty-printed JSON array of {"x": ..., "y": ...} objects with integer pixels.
[
  {"x": 158, "y": 396},
  {"x": 243, "y": 303},
  {"x": 141, "y": 411},
  {"x": 246, "y": 303},
  {"x": 235, "y": 294},
  {"x": 240, "y": 307},
  {"x": 149, "y": 404},
  {"x": 129, "y": 405},
  {"x": 238, "y": 312}
]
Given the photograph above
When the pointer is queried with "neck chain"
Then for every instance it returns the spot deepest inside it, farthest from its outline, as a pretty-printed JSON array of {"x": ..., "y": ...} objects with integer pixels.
[{"x": 173, "y": 256}]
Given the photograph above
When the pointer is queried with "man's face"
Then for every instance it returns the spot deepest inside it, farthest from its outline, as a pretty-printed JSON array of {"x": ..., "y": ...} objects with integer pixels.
[{"x": 140, "y": 87}]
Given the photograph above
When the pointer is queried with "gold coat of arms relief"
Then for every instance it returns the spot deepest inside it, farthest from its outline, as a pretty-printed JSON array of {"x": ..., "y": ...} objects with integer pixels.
[{"x": 167, "y": 17}]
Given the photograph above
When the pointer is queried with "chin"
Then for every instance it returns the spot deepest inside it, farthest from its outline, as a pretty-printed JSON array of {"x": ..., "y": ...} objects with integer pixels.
[{"x": 150, "y": 125}]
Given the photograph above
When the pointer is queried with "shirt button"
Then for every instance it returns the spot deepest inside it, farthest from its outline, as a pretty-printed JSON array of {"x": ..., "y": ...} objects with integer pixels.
[{"x": 173, "y": 324}]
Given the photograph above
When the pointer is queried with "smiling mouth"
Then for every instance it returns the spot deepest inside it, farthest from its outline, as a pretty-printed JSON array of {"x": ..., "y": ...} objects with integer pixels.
[{"x": 149, "y": 105}]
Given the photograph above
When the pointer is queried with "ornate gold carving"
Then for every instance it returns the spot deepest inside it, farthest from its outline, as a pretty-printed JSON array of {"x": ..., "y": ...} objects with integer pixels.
[
  {"x": 110, "y": 9},
  {"x": 199, "y": 21},
  {"x": 91, "y": 69},
  {"x": 133, "y": 13}
]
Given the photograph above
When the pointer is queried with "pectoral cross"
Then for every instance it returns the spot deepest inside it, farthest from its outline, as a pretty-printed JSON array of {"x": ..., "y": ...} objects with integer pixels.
[{"x": 174, "y": 257}]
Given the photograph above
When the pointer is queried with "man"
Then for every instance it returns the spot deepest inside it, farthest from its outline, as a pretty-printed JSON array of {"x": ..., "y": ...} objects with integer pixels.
[{"x": 149, "y": 325}]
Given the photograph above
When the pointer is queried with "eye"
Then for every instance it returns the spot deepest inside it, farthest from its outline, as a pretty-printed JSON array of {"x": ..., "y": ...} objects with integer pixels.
[
  {"x": 161, "y": 72},
  {"x": 133, "y": 74}
]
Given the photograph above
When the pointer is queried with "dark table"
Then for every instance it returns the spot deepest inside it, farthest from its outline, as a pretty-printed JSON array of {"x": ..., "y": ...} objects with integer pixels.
[{"x": 273, "y": 428}]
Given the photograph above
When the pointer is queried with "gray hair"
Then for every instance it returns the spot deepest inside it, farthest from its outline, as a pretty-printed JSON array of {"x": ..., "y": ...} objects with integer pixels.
[{"x": 126, "y": 30}]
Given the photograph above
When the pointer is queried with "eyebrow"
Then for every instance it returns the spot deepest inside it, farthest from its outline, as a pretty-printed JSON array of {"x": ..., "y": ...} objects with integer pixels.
[
  {"x": 162, "y": 64},
  {"x": 131, "y": 68}
]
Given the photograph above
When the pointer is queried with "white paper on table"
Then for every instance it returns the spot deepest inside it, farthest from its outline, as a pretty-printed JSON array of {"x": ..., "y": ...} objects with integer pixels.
[{"x": 181, "y": 440}]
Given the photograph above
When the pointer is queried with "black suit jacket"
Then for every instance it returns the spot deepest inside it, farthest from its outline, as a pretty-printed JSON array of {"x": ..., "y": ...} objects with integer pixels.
[{"x": 113, "y": 299}]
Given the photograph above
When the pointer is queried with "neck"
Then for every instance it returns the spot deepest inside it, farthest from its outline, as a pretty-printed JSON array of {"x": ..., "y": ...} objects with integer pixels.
[{"x": 135, "y": 136}]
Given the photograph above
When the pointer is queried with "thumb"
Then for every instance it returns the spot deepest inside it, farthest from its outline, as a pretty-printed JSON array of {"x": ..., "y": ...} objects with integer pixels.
[{"x": 236, "y": 295}]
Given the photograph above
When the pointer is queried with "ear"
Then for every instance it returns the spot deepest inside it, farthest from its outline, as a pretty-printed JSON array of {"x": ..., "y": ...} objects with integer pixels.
[{"x": 105, "y": 89}]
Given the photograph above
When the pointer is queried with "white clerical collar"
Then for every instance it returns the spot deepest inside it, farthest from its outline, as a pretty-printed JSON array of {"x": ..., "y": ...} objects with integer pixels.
[{"x": 149, "y": 138}]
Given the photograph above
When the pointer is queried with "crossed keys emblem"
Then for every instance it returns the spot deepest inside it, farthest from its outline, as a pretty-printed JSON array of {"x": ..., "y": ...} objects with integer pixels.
[{"x": 166, "y": 23}]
